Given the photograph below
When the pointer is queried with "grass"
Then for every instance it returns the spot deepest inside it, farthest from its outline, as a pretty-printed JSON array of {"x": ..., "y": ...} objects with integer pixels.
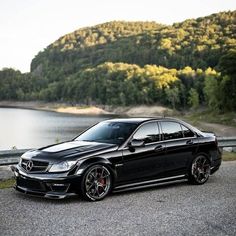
[
  {"x": 228, "y": 118},
  {"x": 229, "y": 156},
  {"x": 7, "y": 183}
]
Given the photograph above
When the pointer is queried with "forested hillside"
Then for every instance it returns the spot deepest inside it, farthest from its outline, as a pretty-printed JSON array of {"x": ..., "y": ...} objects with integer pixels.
[
  {"x": 185, "y": 65},
  {"x": 196, "y": 43}
]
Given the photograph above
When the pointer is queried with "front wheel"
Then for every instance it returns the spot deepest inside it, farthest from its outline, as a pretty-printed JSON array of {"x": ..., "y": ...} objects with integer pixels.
[
  {"x": 96, "y": 183},
  {"x": 200, "y": 170}
]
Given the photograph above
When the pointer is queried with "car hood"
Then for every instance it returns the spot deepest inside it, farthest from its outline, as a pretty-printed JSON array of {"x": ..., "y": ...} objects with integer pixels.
[{"x": 72, "y": 150}]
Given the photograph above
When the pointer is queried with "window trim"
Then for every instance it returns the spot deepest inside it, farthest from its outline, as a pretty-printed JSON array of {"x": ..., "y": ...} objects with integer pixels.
[
  {"x": 158, "y": 130},
  {"x": 194, "y": 134},
  {"x": 125, "y": 145},
  {"x": 183, "y": 138}
]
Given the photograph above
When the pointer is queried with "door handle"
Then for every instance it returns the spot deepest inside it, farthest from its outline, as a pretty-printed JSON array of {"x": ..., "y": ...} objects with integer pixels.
[
  {"x": 158, "y": 148},
  {"x": 190, "y": 141}
]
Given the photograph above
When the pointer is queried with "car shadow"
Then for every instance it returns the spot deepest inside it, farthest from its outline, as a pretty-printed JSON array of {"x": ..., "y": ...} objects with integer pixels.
[
  {"x": 151, "y": 188},
  {"x": 78, "y": 199},
  {"x": 33, "y": 198}
]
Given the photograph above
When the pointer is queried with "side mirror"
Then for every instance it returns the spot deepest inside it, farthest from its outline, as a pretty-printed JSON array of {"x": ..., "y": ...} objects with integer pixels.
[{"x": 136, "y": 143}]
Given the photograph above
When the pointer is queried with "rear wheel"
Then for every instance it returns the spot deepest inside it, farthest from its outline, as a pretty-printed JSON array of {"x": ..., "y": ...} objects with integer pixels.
[
  {"x": 200, "y": 170},
  {"x": 96, "y": 183}
]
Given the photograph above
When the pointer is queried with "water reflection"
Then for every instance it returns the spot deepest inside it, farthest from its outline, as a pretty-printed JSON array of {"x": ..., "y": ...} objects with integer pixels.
[{"x": 25, "y": 128}]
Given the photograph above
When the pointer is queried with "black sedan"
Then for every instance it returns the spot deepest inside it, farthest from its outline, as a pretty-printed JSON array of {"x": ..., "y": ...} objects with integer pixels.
[{"x": 117, "y": 155}]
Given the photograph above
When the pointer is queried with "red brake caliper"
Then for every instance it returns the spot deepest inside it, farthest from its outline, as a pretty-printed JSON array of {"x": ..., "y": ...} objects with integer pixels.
[{"x": 102, "y": 181}]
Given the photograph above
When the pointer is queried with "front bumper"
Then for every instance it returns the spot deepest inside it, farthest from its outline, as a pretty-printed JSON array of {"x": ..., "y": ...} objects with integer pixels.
[{"x": 48, "y": 185}]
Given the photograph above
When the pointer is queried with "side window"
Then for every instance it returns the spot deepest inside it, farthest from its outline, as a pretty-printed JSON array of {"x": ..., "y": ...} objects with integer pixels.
[
  {"x": 171, "y": 130},
  {"x": 187, "y": 132},
  {"x": 148, "y": 132}
]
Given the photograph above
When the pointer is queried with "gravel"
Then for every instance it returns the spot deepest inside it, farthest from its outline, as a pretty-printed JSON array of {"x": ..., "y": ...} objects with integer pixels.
[
  {"x": 178, "y": 209},
  {"x": 5, "y": 173}
]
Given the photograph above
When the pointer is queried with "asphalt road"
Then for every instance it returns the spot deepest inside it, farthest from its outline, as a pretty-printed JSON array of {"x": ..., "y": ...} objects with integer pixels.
[{"x": 179, "y": 209}]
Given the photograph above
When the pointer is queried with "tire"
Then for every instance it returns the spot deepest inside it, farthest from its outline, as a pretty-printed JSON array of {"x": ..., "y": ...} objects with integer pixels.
[
  {"x": 200, "y": 170},
  {"x": 96, "y": 183}
]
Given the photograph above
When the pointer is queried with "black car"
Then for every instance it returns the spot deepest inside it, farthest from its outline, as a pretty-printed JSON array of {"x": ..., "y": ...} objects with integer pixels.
[{"x": 117, "y": 155}]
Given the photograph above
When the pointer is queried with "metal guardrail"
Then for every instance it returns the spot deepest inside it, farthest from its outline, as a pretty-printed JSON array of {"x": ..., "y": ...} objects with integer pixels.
[
  {"x": 11, "y": 157},
  {"x": 226, "y": 141}
]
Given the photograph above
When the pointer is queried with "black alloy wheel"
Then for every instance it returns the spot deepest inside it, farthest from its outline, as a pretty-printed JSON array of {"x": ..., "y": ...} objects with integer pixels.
[
  {"x": 96, "y": 183},
  {"x": 200, "y": 170}
]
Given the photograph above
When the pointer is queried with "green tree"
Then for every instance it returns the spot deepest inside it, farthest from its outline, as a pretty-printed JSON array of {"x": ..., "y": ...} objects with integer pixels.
[
  {"x": 212, "y": 93},
  {"x": 172, "y": 96},
  {"x": 193, "y": 99},
  {"x": 227, "y": 66}
]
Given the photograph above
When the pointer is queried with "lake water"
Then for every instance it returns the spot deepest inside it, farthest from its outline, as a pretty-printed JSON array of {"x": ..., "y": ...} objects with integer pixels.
[{"x": 24, "y": 128}]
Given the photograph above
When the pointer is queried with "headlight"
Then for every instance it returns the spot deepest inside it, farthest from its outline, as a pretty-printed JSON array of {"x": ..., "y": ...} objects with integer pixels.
[{"x": 62, "y": 166}]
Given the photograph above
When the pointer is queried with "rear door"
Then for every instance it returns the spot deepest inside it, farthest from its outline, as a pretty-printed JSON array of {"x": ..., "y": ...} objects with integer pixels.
[{"x": 181, "y": 144}]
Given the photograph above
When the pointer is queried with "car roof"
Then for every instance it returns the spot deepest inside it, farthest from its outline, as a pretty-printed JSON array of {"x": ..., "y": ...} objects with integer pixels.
[{"x": 139, "y": 120}]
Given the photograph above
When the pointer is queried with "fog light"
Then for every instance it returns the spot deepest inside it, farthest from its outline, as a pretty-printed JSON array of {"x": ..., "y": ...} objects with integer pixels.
[{"x": 58, "y": 187}]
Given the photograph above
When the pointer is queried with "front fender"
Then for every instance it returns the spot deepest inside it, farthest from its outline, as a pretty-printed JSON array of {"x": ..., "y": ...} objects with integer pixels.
[{"x": 94, "y": 161}]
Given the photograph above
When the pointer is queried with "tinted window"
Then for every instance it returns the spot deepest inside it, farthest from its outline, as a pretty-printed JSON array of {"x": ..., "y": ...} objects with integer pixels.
[
  {"x": 108, "y": 132},
  {"x": 148, "y": 132},
  {"x": 171, "y": 130},
  {"x": 187, "y": 132}
]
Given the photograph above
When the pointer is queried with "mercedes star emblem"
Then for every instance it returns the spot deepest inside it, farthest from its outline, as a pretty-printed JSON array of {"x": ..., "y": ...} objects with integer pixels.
[{"x": 29, "y": 165}]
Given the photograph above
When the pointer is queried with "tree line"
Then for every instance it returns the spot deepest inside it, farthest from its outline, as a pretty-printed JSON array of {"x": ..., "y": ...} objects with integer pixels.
[{"x": 129, "y": 84}]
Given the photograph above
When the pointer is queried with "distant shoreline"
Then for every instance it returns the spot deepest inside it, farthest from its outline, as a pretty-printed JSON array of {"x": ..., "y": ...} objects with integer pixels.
[
  {"x": 142, "y": 110},
  {"x": 132, "y": 111},
  {"x": 56, "y": 107}
]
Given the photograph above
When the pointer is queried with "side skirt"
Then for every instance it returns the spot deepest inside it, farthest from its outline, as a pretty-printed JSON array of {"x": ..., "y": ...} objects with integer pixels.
[{"x": 150, "y": 183}]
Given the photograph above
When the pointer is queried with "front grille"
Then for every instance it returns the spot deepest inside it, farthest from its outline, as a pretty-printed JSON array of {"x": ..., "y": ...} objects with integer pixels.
[
  {"x": 39, "y": 166},
  {"x": 30, "y": 184}
]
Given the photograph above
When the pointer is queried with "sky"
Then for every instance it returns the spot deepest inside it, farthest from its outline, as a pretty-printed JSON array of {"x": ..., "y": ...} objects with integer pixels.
[{"x": 29, "y": 26}]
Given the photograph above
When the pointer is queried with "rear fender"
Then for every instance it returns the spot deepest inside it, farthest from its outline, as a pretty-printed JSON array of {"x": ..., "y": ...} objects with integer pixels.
[{"x": 206, "y": 154}]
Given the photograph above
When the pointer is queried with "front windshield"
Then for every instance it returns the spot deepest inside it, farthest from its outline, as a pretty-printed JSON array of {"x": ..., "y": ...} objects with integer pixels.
[{"x": 108, "y": 132}]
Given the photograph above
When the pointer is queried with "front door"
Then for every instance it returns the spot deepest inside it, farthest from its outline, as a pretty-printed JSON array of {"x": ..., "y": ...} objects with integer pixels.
[{"x": 145, "y": 161}]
